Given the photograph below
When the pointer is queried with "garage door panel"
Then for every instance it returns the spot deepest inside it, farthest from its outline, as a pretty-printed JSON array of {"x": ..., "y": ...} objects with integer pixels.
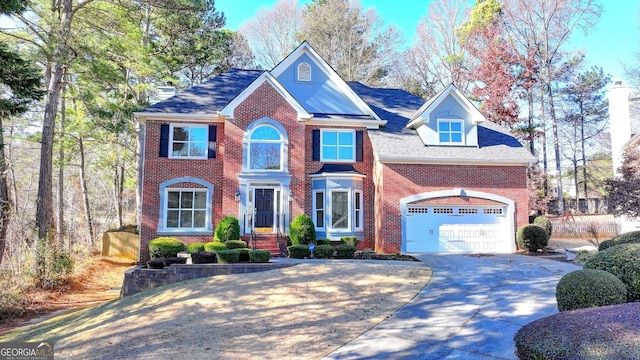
[{"x": 456, "y": 229}]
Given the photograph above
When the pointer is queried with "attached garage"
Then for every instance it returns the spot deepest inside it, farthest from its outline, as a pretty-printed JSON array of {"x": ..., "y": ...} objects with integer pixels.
[{"x": 457, "y": 228}]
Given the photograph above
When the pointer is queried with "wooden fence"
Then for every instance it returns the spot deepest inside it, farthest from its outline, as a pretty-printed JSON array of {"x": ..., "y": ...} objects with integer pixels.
[
  {"x": 121, "y": 245},
  {"x": 585, "y": 229}
]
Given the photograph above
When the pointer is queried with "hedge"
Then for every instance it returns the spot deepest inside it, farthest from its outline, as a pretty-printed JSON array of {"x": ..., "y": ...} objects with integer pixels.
[
  {"x": 631, "y": 237},
  {"x": 545, "y": 223},
  {"x": 228, "y": 256},
  {"x": 323, "y": 252},
  {"x": 345, "y": 251},
  {"x": 203, "y": 257},
  {"x": 532, "y": 238},
  {"x": 243, "y": 254},
  {"x": 349, "y": 240},
  {"x": 299, "y": 251},
  {"x": 195, "y": 247},
  {"x": 235, "y": 244},
  {"x": 608, "y": 332},
  {"x": 214, "y": 246},
  {"x": 623, "y": 261},
  {"x": 589, "y": 288},
  {"x": 259, "y": 256},
  {"x": 160, "y": 248}
]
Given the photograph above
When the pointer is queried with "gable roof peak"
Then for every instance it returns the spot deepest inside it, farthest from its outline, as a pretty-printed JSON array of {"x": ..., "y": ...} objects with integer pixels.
[{"x": 423, "y": 114}]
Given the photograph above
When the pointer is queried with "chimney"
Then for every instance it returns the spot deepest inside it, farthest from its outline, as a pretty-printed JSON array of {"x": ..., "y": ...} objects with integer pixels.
[
  {"x": 165, "y": 92},
  {"x": 619, "y": 122}
]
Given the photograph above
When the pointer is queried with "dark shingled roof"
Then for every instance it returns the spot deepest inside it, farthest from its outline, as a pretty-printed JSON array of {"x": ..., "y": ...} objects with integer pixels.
[
  {"x": 337, "y": 168},
  {"x": 208, "y": 97},
  {"x": 395, "y": 141}
]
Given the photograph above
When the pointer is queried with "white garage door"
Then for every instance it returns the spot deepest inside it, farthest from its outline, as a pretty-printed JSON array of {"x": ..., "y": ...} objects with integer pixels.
[{"x": 457, "y": 229}]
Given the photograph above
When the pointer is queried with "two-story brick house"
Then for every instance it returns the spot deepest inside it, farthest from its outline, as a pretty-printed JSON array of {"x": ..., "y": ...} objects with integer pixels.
[{"x": 400, "y": 174}]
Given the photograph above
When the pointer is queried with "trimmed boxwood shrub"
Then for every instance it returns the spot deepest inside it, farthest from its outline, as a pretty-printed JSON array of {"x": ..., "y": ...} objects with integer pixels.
[
  {"x": 203, "y": 257},
  {"x": 174, "y": 260},
  {"x": 345, "y": 251},
  {"x": 228, "y": 229},
  {"x": 195, "y": 247},
  {"x": 302, "y": 231},
  {"x": 160, "y": 248},
  {"x": 623, "y": 261},
  {"x": 228, "y": 256},
  {"x": 631, "y": 237},
  {"x": 235, "y": 244},
  {"x": 299, "y": 251},
  {"x": 605, "y": 245},
  {"x": 589, "y": 288},
  {"x": 155, "y": 264},
  {"x": 323, "y": 241},
  {"x": 214, "y": 246},
  {"x": 532, "y": 238},
  {"x": 349, "y": 240},
  {"x": 608, "y": 332},
  {"x": 259, "y": 256},
  {"x": 243, "y": 254},
  {"x": 323, "y": 252},
  {"x": 545, "y": 223}
]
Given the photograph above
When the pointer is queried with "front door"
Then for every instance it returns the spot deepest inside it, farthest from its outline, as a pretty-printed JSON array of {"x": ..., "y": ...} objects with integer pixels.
[{"x": 264, "y": 210}]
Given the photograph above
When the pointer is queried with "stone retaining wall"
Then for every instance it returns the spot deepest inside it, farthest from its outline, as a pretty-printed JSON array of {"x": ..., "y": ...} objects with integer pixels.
[{"x": 140, "y": 278}]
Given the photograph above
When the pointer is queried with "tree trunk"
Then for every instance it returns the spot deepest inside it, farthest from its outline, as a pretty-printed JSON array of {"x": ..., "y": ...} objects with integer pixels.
[
  {"x": 575, "y": 168},
  {"x": 531, "y": 128},
  {"x": 584, "y": 161},
  {"x": 55, "y": 71},
  {"x": 556, "y": 146},
  {"x": 118, "y": 189},
  {"x": 85, "y": 195},
  {"x": 5, "y": 203},
  {"x": 60, "y": 231}
]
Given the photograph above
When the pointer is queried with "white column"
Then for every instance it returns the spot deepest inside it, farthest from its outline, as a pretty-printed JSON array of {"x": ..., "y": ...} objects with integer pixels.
[{"x": 619, "y": 122}]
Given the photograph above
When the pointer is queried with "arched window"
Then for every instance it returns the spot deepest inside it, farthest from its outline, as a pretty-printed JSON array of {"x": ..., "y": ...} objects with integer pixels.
[
  {"x": 265, "y": 148},
  {"x": 304, "y": 72}
]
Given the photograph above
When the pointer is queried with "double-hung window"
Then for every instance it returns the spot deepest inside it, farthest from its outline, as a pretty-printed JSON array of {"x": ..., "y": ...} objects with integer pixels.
[
  {"x": 357, "y": 205},
  {"x": 186, "y": 208},
  {"x": 189, "y": 141},
  {"x": 318, "y": 209},
  {"x": 338, "y": 145},
  {"x": 451, "y": 131}
]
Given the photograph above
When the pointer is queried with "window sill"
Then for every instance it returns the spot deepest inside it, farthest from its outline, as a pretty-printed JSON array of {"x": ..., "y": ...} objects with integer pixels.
[
  {"x": 187, "y": 158},
  {"x": 184, "y": 232}
]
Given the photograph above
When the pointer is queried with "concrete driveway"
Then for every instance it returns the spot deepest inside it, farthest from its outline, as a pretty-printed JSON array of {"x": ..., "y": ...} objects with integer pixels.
[{"x": 471, "y": 309}]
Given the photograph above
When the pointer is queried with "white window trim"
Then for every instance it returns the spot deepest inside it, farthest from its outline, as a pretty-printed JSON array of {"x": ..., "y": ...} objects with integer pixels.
[
  {"x": 337, "y": 131},
  {"x": 329, "y": 211},
  {"x": 359, "y": 215},
  {"x": 166, "y": 209},
  {"x": 206, "y": 141},
  {"x": 251, "y": 141},
  {"x": 462, "y": 138},
  {"x": 315, "y": 209},
  {"x": 298, "y": 77},
  {"x": 165, "y": 187}
]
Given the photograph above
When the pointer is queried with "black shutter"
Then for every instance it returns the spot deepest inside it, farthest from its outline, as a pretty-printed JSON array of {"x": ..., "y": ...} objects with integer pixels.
[
  {"x": 359, "y": 145},
  {"x": 315, "y": 138},
  {"x": 212, "y": 141},
  {"x": 164, "y": 140}
]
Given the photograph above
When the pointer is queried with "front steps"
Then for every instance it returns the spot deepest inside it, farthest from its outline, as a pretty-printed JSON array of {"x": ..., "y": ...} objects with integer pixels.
[{"x": 264, "y": 242}]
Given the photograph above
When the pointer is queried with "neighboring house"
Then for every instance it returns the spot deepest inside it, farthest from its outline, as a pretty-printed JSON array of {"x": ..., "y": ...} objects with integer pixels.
[
  {"x": 400, "y": 174},
  {"x": 624, "y": 123}
]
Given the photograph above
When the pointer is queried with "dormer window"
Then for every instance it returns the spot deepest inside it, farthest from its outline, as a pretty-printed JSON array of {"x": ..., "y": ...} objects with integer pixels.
[
  {"x": 304, "y": 72},
  {"x": 451, "y": 131}
]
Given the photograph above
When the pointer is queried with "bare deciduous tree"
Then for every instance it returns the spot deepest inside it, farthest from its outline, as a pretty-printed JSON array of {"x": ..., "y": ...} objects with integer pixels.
[
  {"x": 545, "y": 26},
  {"x": 271, "y": 34},
  {"x": 436, "y": 50},
  {"x": 352, "y": 40}
]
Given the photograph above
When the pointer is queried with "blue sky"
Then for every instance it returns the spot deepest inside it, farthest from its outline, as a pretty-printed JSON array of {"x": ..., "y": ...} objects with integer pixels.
[{"x": 613, "y": 41}]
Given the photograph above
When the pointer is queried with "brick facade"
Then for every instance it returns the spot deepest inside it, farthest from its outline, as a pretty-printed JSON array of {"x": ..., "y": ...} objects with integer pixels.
[{"x": 397, "y": 181}]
